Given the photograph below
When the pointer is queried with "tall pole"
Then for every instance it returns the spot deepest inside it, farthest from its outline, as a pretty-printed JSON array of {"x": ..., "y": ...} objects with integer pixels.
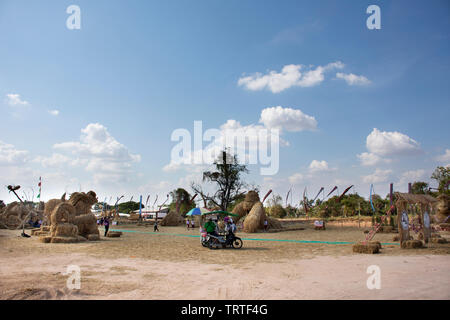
[
  {"x": 140, "y": 208},
  {"x": 391, "y": 194}
]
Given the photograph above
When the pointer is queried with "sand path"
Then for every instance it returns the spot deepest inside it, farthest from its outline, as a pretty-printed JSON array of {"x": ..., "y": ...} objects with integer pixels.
[{"x": 402, "y": 277}]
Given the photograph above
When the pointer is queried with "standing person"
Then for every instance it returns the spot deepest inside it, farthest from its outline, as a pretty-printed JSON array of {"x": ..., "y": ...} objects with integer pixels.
[
  {"x": 187, "y": 224},
  {"x": 266, "y": 224},
  {"x": 192, "y": 224},
  {"x": 210, "y": 227},
  {"x": 155, "y": 226},
  {"x": 106, "y": 225}
]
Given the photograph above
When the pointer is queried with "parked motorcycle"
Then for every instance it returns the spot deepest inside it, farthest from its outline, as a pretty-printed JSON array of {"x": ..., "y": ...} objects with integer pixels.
[{"x": 224, "y": 241}]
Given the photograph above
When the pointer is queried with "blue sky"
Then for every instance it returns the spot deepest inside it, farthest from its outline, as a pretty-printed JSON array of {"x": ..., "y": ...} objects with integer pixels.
[{"x": 138, "y": 70}]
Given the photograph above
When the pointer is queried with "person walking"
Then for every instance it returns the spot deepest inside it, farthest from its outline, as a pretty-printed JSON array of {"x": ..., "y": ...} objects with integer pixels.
[
  {"x": 106, "y": 225},
  {"x": 192, "y": 224},
  {"x": 155, "y": 226},
  {"x": 187, "y": 224}
]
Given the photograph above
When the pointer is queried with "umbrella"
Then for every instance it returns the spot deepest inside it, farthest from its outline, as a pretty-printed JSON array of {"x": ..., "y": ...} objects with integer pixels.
[
  {"x": 220, "y": 212},
  {"x": 197, "y": 212}
]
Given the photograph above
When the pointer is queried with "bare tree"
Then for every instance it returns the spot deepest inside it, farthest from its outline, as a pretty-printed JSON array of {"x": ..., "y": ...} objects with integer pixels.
[{"x": 227, "y": 179}]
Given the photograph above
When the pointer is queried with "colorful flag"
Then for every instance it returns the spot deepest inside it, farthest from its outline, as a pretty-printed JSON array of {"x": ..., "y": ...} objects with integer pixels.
[
  {"x": 39, "y": 185},
  {"x": 371, "y": 202}
]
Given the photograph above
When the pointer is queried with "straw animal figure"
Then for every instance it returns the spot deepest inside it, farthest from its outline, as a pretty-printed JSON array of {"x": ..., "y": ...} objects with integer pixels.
[
  {"x": 252, "y": 210},
  {"x": 70, "y": 220}
]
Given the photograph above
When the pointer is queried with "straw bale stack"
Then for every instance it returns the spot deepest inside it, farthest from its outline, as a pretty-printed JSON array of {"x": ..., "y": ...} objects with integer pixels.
[
  {"x": 172, "y": 219},
  {"x": 114, "y": 234},
  {"x": 412, "y": 244},
  {"x": 370, "y": 247}
]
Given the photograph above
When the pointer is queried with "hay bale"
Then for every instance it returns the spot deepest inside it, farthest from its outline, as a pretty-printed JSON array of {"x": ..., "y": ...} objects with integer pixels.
[
  {"x": 41, "y": 233},
  {"x": 113, "y": 234},
  {"x": 93, "y": 237},
  {"x": 33, "y": 231},
  {"x": 64, "y": 230},
  {"x": 370, "y": 247},
  {"x": 274, "y": 223},
  {"x": 255, "y": 219},
  {"x": 45, "y": 239},
  {"x": 64, "y": 240},
  {"x": 386, "y": 229},
  {"x": 438, "y": 240},
  {"x": 412, "y": 244},
  {"x": 133, "y": 217},
  {"x": 81, "y": 238},
  {"x": 172, "y": 219}
]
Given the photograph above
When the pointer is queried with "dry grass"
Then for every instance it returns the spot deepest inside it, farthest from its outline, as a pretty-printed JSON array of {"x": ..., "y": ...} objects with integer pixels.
[{"x": 165, "y": 246}]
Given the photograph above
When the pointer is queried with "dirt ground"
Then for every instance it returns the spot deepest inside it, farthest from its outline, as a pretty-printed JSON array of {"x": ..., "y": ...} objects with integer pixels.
[{"x": 173, "y": 265}]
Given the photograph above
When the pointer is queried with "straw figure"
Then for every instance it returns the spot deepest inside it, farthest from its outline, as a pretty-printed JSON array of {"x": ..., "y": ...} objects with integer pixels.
[
  {"x": 252, "y": 210},
  {"x": 443, "y": 209},
  {"x": 15, "y": 214},
  {"x": 172, "y": 219},
  {"x": 70, "y": 220}
]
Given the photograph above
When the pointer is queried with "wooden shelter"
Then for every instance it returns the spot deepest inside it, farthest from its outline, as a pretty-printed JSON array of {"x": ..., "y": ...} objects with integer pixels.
[{"x": 403, "y": 203}]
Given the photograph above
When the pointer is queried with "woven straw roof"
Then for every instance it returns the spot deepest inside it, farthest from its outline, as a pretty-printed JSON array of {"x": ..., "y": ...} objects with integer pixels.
[{"x": 415, "y": 198}]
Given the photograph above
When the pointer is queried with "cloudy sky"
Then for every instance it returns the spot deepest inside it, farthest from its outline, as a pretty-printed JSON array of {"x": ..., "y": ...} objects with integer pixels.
[{"x": 96, "y": 108}]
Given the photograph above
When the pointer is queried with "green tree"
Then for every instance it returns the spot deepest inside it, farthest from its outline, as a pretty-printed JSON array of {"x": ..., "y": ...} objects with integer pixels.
[
  {"x": 181, "y": 201},
  {"x": 227, "y": 180},
  {"x": 442, "y": 177},
  {"x": 130, "y": 206},
  {"x": 419, "y": 187},
  {"x": 275, "y": 208}
]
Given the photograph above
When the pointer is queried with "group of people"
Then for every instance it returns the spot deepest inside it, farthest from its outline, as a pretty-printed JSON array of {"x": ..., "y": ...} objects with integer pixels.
[
  {"x": 190, "y": 224},
  {"x": 212, "y": 228}
]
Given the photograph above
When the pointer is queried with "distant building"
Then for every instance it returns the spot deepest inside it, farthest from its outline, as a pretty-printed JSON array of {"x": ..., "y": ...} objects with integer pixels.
[{"x": 151, "y": 214}]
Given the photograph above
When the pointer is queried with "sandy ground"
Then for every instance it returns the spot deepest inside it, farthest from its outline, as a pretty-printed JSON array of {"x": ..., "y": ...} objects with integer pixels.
[{"x": 173, "y": 265}]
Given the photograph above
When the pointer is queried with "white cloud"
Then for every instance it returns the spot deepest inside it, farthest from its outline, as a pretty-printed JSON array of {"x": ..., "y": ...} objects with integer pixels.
[
  {"x": 445, "y": 157},
  {"x": 274, "y": 120},
  {"x": 353, "y": 79},
  {"x": 54, "y": 161},
  {"x": 13, "y": 99},
  {"x": 296, "y": 178},
  {"x": 317, "y": 166},
  {"x": 412, "y": 176},
  {"x": 287, "y": 119},
  {"x": 289, "y": 76},
  {"x": 386, "y": 143},
  {"x": 9, "y": 155},
  {"x": 101, "y": 154},
  {"x": 378, "y": 176},
  {"x": 53, "y": 112},
  {"x": 371, "y": 159}
]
